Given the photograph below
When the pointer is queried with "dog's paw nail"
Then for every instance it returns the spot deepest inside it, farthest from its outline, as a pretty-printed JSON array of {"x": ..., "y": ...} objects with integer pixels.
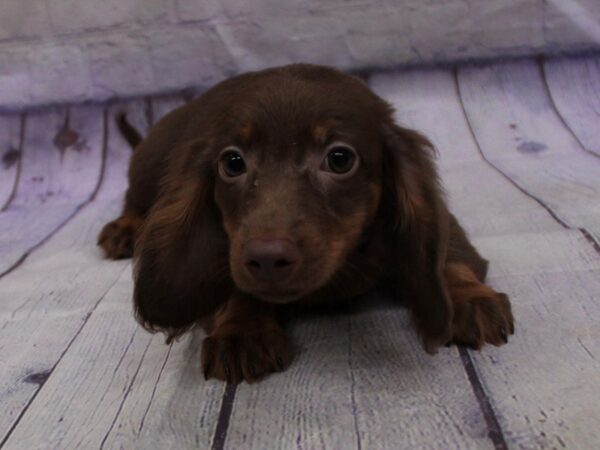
[
  {"x": 474, "y": 340},
  {"x": 473, "y": 345},
  {"x": 279, "y": 364},
  {"x": 512, "y": 328},
  {"x": 252, "y": 370},
  {"x": 503, "y": 335},
  {"x": 207, "y": 372}
]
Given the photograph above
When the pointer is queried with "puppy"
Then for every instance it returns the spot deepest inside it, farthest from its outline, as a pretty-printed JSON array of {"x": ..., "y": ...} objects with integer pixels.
[{"x": 292, "y": 185}]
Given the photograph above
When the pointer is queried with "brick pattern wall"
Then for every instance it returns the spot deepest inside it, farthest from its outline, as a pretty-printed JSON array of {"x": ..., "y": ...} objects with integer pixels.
[{"x": 54, "y": 51}]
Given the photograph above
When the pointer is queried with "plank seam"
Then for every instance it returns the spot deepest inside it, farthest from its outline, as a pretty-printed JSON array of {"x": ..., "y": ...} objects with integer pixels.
[
  {"x": 497, "y": 169},
  {"x": 591, "y": 239},
  {"x": 542, "y": 68},
  {"x": 64, "y": 352},
  {"x": 77, "y": 210},
  {"x": 154, "y": 389},
  {"x": 353, "y": 386},
  {"x": 104, "y": 158},
  {"x": 124, "y": 399},
  {"x": 149, "y": 111},
  {"x": 224, "y": 417},
  {"x": 495, "y": 432},
  {"x": 494, "y": 429},
  {"x": 13, "y": 192},
  {"x": 588, "y": 236}
]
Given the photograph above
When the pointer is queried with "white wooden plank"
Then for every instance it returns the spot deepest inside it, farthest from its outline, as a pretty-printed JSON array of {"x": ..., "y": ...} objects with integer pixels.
[
  {"x": 339, "y": 391},
  {"x": 60, "y": 170},
  {"x": 483, "y": 200},
  {"x": 10, "y": 151},
  {"x": 520, "y": 133},
  {"x": 536, "y": 253},
  {"x": 574, "y": 85},
  {"x": 542, "y": 384},
  {"x": 40, "y": 314},
  {"x": 169, "y": 404},
  {"x": 61, "y": 156},
  {"x": 529, "y": 254},
  {"x": 119, "y": 394},
  {"x": 361, "y": 378},
  {"x": 124, "y": 388}
]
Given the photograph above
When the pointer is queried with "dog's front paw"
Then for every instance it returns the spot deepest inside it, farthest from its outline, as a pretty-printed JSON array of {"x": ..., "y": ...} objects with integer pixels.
[
  {"x": 117, "y": 237},
  {"x": 483, "y": 319},
  {"x": 244, "y": 354}
]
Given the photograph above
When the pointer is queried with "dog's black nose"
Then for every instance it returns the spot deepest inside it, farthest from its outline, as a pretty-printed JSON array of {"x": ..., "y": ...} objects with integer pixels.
[{"x": 270, "y": 260}]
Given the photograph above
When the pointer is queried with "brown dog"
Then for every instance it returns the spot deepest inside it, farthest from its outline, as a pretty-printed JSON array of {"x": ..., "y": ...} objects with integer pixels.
[{"x": 292, "y": 185}]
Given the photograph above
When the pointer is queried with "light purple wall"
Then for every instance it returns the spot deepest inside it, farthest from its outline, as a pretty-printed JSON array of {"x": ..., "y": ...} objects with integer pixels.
[{"x": 74, "y": 50}]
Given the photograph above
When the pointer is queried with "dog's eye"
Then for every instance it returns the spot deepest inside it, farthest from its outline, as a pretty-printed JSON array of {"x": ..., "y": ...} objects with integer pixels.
[
  {"x": 232, "y": 163},
  {"x": 340, "y": 159}
]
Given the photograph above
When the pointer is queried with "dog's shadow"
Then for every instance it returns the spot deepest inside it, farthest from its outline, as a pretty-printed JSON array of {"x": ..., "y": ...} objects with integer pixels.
[
  {"x": 372, "y": 333},
  {"x": 372, "y": 337}
]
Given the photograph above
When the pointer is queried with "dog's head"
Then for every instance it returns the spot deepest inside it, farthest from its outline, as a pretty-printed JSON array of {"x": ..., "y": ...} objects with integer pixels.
[
  {"x": 280, "y": 175},
  {"x": 298, "y": 178}
]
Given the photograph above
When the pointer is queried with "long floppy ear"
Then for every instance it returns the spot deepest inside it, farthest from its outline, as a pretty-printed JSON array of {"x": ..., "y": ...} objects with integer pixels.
[
  {"x": 181, "y": 258},
  {"x": 420, "y": 222}
]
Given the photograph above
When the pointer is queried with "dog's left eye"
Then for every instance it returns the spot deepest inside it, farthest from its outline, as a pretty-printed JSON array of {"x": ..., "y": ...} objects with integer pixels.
[
  {"x": 340, "y": 159},
  {"x": 232, "y": 163}
]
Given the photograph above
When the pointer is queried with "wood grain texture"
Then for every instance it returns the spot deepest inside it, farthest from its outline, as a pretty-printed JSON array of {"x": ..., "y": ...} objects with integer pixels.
[
  {"x": 574, "y": 85},
  {"x": 77, "y": 371},
  {"x": 544, "y": 385},
  {"x": 41, "y": 314},
  {"x": 534, "y": 382},
  {"x": 520, "y": 133},
  {"x": 10, "y": 155},
  {"x": 61, "y": 163},
  {"x": 360, "y": 380},
  {"x": 126, "y": 388},
  {"x": 169, "y": 404},
  {"x": 479, "y": 196}
]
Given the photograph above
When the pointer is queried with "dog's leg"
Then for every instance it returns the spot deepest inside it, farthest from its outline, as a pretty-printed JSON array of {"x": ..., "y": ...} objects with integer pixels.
[
  {"x": 480, "y": 314},
  {"x": 117, "y": 238},
  {"x": 245, "y": 342}
]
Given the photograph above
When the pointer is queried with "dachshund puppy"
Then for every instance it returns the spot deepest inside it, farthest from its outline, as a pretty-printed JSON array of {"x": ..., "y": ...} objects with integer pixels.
[{"x": 292, "y": 185}]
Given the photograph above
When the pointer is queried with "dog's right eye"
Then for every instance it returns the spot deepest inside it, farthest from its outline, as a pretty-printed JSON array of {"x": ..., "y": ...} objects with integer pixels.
[
  {"x": 232, "y": 163},
  {"x": 341, "y": 160}
]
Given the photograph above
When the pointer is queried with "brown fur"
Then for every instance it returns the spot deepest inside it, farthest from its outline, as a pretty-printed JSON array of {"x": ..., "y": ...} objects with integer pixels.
[
  {"x": 385, "y": 222},
  {"x": 480, "y": 314},
  {"x": 118, "y": 237}
]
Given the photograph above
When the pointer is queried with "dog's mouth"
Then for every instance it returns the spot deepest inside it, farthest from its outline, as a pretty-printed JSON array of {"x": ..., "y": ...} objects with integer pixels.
[{"x": 280, "y": 296}]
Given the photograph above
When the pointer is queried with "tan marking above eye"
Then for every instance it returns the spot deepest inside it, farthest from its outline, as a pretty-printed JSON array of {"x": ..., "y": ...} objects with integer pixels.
[
  {"x": 321, "y": 131},
  {"x": 246, "y": 132}
]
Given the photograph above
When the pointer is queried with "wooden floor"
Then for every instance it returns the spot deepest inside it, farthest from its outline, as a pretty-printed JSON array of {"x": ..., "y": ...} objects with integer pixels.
[{"x": 519, "y": 147}]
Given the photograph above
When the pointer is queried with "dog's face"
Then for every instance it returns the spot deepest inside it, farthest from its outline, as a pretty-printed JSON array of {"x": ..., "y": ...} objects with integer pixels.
[
  {"x": 280, "y": 179},
  {"x": 298, "y": 178}
]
